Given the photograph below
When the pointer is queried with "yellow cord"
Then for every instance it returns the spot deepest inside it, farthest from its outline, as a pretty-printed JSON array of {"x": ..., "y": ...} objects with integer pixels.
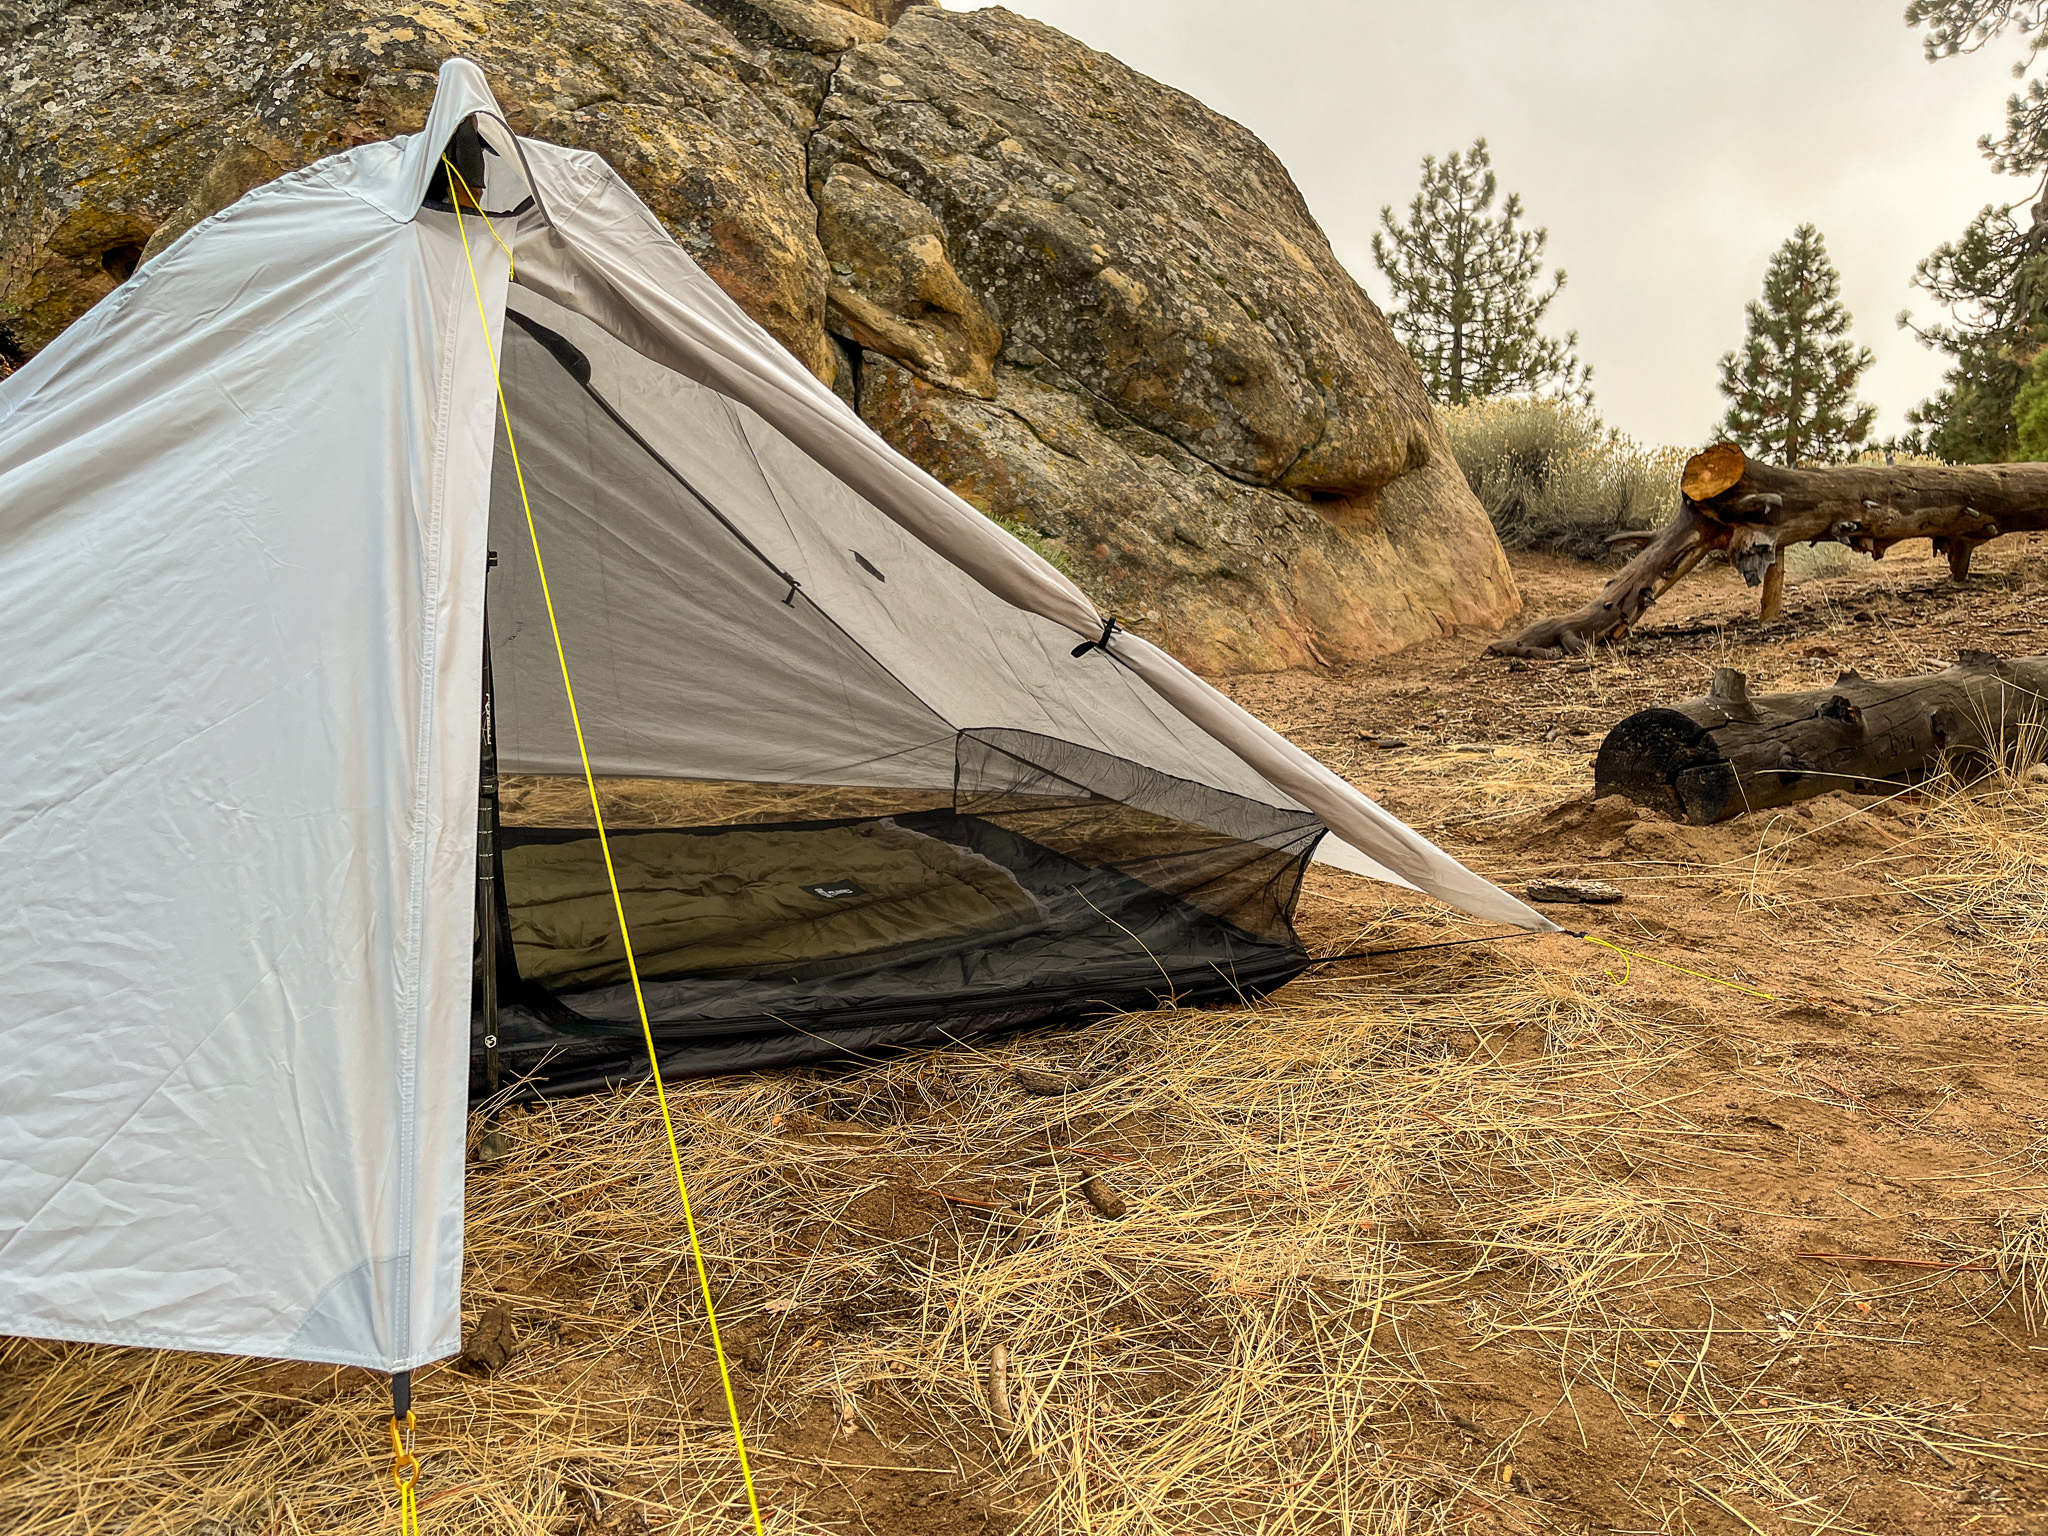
[
  {"x": 1628, "y": 955},
  {"x": 405, "y": 1472},
  {"x": 476, "y": 201},
  {"x": 675, "y": 1152}
]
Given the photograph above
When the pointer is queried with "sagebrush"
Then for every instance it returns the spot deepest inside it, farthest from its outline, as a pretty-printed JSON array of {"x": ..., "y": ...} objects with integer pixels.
[{"x": 1552, "y": 476}]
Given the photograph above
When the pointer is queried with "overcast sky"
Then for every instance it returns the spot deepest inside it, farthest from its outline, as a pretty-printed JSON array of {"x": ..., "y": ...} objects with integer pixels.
[{"x": 1668, "y": 148}]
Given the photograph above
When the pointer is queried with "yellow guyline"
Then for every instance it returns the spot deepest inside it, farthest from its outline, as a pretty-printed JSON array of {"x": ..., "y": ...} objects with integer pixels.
[
  {"x": 1628, "y": 955},
  {"x": 405, "y": 1472},
  {"x": 668, "y": 1123}
]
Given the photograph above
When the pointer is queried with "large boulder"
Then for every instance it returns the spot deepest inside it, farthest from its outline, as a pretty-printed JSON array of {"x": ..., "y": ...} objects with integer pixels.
[
  {"x": 124, "y": 123},
  {"x": 1098, "y": 310}
]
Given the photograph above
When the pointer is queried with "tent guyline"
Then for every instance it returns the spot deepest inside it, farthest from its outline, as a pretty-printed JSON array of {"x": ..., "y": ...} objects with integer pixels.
[
  {"x": 1628, "y": 955},
  {"x": 305, "y": 856},
  {"x": 1565, "y": 932},
  {"x": 668, "y": 1123}
]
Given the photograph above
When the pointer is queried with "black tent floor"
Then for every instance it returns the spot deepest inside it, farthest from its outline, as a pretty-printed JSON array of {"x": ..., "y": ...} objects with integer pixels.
[{"x": 1107, "y": 944}]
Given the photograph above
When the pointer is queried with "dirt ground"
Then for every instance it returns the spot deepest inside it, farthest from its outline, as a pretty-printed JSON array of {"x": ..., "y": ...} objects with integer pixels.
[
  {"x": 1522, "y": 1236},
  {"x": 1887, "y": 1102}
]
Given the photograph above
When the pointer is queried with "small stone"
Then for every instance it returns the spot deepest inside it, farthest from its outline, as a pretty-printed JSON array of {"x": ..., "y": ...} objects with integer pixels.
[
  {"x": 1046, "y": 1085},
  {"x": 491, "y": 1344},
  {"x": 493, "y": 1145},
  {"x": 1592, "y": 892}
]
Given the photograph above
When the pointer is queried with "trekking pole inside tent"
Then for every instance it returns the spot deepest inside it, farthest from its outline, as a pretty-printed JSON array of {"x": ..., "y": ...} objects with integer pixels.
[
  {"x": 493, "y": 1143},
  {"x": 487, "y": 868}
]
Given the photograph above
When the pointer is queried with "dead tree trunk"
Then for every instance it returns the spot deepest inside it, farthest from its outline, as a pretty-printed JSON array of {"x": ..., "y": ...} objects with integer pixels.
[
  {"x": 1712, "y": 758},
  {"x": 1757, "y": 511}
]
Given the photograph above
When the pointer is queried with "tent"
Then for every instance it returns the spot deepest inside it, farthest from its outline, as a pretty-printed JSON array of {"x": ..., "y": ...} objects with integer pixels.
[{"x": 877, "y": 774}]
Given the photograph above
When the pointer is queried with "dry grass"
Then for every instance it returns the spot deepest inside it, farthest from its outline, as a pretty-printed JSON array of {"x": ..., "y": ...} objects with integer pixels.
[
  {"x": 1341, "y": 1205},
  {"x": 1551, "y": 475},
  {"x": 1234, "y": 1350}
]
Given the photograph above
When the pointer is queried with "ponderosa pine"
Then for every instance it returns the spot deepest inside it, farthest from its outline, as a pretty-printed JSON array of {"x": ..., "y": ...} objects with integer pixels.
[
  {"x": 1469, "y": 289},
  {"x": 1990, "y": 279},
  {"x": 1791, "y": 386}
]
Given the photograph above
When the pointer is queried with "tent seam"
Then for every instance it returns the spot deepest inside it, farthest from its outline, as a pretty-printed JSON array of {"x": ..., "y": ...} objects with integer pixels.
[{"x": 428, "y": 765}]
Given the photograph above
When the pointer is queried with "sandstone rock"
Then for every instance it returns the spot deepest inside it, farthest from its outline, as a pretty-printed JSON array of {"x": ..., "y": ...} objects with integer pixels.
[
  {"x": 1230, "y": 577},
  {"x": 1196, "y": 404},
  {"x": 887, "y": 12},
  {"x": 823, "y": 27},
  {"x": 1152, "y": 250},
  {"x": 1097, "y": 309},
  {"x": 894, "y": 288},
  {"x": 121, "y": 119}
]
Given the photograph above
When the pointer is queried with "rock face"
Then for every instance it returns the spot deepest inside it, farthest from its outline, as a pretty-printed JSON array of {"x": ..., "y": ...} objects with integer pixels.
[{"x": 1098, "y": 310}]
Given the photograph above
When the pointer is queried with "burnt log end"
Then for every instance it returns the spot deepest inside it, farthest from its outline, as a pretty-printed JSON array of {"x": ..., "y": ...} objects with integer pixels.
[
  {"x": 1711, "y": 758},
  {"x": 1645, "y": 756}
]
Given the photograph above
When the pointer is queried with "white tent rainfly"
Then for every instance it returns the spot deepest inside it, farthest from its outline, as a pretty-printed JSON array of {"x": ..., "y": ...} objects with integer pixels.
[{"x": 277, "y": 570}]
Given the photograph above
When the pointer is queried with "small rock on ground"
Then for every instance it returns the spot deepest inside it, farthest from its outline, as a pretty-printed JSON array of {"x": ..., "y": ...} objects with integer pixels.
[
  {"x": 1101, "y": 1194},
  {"x": 1592, "y": 892}
]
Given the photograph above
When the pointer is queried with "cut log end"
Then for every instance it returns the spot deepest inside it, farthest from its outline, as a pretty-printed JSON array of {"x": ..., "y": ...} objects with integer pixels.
[
  {"x": 1712, "y": 758},
  {"x": 1644, "y": 756},
  {"x": 1712, "y": 470}
]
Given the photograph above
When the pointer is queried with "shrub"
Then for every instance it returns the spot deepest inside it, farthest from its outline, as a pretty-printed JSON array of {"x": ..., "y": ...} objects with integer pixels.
[
  {"x": 1552, "y": 477},
  {"x": 1817, "y": 562}
]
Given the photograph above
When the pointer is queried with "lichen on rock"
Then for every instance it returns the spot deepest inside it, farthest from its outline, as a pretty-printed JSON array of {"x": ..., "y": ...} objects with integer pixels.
[
  {"x": 1096, "y": 308},
  {"x": 894, "y": 288}
]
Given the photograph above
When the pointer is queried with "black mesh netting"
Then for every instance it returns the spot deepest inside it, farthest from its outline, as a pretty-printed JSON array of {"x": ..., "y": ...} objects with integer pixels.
[
  {"x": 774, "y": 922},
  {"x": 773, "y": 925}
]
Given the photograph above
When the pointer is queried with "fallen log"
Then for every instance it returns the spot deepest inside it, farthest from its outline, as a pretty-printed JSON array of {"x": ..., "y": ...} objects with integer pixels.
[
  {"x": 1755, "y": 512},
  {"x": 1712, "y": 758}
]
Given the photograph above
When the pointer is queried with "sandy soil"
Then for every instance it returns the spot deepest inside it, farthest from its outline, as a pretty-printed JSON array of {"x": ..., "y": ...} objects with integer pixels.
[
  {"x": 1888, "y": 1102},
  {"x": 1514, "y": 1237}
]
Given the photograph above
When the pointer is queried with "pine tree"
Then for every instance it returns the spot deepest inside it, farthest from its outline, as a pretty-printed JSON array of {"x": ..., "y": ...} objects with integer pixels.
[
  {"x": 1994, "y": 284},
  {"x": 1964, "y": 26},
  {"x": 1792, "y": 387},
  {"x": 1993, "y": 280},
  {"x": 2030, "y": 413},
  {"x": 1469, "y": 291}
]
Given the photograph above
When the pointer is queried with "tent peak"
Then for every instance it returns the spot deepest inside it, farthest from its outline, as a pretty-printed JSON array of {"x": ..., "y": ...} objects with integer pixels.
[{"x": 462, "y": 95}]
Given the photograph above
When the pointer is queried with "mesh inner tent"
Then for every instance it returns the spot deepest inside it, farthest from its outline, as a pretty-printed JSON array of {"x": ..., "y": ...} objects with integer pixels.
[{"x": 813, "y": 864}]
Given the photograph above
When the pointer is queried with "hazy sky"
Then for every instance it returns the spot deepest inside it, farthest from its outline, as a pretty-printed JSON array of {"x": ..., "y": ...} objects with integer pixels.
[{"x": 1669, "y": 149}]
